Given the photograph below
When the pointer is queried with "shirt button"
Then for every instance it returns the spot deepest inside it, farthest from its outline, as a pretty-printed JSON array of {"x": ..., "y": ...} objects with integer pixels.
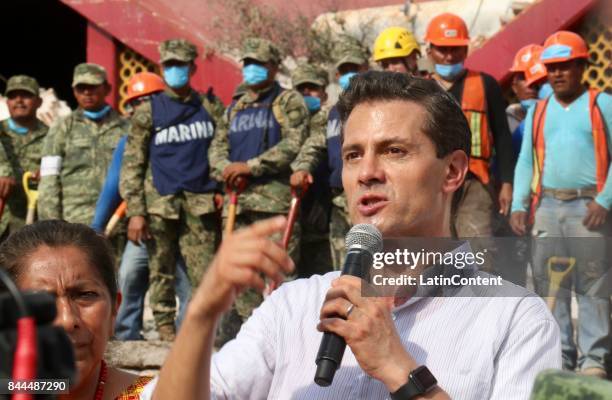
[{"x": 393, "y": 316}]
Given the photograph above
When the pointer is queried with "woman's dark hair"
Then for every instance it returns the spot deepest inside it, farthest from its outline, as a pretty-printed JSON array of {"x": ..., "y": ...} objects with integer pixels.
[
  {"x": 14, "y": 252},
  {"x": 445, "y": 125}
]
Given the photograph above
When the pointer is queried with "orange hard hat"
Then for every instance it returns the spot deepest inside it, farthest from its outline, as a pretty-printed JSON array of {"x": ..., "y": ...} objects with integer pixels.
[
  {"x": 564, "y": 46},
  {"x": 143, "y": 84},
  {"x": 536, "y": 70},
  {"x": 524, "y": 57},
  {"x": 447, "y": 30}
]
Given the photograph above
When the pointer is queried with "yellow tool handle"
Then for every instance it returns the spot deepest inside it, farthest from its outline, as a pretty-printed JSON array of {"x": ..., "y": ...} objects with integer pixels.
[
  {"x": 231, "y": 219},
  {"x": 31, "y": 195},
  {"x": 115, "y": 218}
]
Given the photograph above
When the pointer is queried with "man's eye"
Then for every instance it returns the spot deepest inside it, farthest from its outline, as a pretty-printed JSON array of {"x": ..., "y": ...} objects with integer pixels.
[
  {"x": 351, "y": 156},
  {"x": 88, "y": 295},
  {"x": 395, "y": 150}
]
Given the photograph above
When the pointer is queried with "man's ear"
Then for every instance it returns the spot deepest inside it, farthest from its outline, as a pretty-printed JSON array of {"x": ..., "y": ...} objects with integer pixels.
[
  {"x": 323, "y": 96},
  {"x": 38, "y": 102},
  {"x": 118, "y": 301},
  {"x": 193, "y": 69},
  {"x": 272, "y": 70},
  {"x": 107, "y": 89},
  {"x": 456, "y": 171}
]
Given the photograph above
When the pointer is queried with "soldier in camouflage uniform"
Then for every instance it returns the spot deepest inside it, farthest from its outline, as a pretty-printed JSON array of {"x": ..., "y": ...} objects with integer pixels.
[
  {"x": 563, "y": 385},
  {"x": 21, "y": 138},
  {"x": 350, "y": 59},
  {"x": 311, "y": 82},
  {"x": 78, "y": 150},
  {"x": 257, "y": 141},
  {"x": 165, "y": 179}
]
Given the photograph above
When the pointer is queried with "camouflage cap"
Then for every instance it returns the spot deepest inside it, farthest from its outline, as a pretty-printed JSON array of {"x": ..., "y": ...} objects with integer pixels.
[
  {"x": 261, "y": 50},
  {"x": 309, "y": 73},
  {"x": 22, "y": 82},
  {"x": 89, "y": 74},
  {"x": 177, "y": 49},
  {"x": 347, "y": 49}
]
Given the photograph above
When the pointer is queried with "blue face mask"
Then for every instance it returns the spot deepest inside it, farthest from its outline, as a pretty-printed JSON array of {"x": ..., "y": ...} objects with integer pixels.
[
  {"x": 97, "y": 115},
  {"x": 313, "y": 103},
  {"x": 345, "y": 80},
  {"x": 254, "y": 74},
  {"x": 176, "y": 76},
  {"x": 449, "y": 71},
  {"x": 545, "y": 91},
  {"x": 526, "y": 104},
  {"x": 16, "y": 128}
]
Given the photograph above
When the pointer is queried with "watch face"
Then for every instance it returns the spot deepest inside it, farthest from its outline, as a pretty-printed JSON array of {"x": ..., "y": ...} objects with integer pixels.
[{"x": 424, "y": 377}]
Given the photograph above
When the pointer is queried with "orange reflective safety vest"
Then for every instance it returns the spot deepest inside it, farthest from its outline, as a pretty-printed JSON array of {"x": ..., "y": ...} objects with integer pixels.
[
  {"x": 600, "y": 143},
  {"x": 474, "y": 106}
]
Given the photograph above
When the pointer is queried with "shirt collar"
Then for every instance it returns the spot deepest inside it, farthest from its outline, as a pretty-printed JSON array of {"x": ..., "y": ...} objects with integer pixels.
[{"x": 253, "y": 96}]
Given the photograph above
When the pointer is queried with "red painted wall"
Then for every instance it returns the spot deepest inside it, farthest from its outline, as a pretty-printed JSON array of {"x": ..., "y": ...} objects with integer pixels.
[
  {"x": 101, "y": 49},
  {"x": 142, "y": 29}
]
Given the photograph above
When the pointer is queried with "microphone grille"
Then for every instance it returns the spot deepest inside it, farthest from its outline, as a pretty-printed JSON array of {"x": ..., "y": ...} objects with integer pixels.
[{"x": 364, "y": 236}]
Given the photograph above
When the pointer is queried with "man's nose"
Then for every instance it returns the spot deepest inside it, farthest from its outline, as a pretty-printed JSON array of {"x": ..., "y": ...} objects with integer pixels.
[
  {"x": 370, "y": 169},
  {"x": 448, "y": 56},
  {"x": 68, "y": 316}
]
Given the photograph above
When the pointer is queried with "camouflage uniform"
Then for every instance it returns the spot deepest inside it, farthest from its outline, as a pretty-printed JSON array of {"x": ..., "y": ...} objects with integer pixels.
[
  {"x": 76, "y": 155},
  {"x": 19, "y": 153},
  {"x": 563, "y": 385},
  {"x": 316, "y": 203},
  {"x": 184, "y": 221},
  {"x": 314, "y": 152},
  {"x": 268, "y": 192}
]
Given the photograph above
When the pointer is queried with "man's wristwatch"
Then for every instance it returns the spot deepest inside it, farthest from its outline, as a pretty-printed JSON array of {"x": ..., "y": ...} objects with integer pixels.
[{"x": 420, "y": 381}]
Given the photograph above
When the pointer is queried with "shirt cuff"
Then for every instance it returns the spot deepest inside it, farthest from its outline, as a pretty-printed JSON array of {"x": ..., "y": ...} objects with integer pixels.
[
  {"x": 602, "y": 202},
  {"x": 300, "y": 166},
  {"x": 517, "y": 206},
  {"x": 136, "y": 209},
  {"x": 255, "y": 167},
  {"x": 6, "y": 172}
]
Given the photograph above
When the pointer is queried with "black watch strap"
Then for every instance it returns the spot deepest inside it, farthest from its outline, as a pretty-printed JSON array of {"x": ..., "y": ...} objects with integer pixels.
[
  {"x": 406, "y": 392},
  {"x": 420, "y": 381}
]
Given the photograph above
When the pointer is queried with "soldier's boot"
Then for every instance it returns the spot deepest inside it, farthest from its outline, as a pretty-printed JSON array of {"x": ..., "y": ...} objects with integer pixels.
[{"x": 167, "y": 333}]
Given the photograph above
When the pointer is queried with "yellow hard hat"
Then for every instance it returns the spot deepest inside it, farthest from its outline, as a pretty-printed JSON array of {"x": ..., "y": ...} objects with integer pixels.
[{"x": 395, "y": 42}]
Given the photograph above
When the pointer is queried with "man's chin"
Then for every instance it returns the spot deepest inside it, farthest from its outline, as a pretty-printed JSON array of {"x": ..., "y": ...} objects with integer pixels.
[{"x": 379, "y": 221}]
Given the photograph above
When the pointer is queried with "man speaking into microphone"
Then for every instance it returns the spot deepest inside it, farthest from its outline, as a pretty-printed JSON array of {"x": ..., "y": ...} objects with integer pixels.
[{"x": 405, "y": 153}]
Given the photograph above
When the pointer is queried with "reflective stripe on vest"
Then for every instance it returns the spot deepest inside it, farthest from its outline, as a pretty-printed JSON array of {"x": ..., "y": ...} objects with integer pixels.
[
  {"x": 474, "y": 106},
  {"x": 334, "y": 149},
  {"x": 254, "y": 128},
  {"x": 600, "y": 144},
  {"x": 178, "y": 150}
]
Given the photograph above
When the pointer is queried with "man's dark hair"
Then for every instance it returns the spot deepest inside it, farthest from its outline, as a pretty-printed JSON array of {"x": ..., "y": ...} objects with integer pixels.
[
  {"x": 445, "y": 124},
  {"x": 15, "y": 251}
]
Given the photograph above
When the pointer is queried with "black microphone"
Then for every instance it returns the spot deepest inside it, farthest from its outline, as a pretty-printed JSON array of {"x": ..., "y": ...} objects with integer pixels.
[
  {"x": 362, "y": 242},
  {"x": 41, "y": 305}
]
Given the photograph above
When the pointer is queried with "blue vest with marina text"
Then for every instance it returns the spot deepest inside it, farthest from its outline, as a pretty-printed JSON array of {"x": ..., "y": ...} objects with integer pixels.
[
  {"x": 178, "y": 150},
  {"x": 334, "y": 149},
  {"x": 254, "y": 129}
]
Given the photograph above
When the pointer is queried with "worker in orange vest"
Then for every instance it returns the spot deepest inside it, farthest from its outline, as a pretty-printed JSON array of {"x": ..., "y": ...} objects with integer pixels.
[
  {"x": 562, "y": 189},
  {"x": 483, "y": 104}
]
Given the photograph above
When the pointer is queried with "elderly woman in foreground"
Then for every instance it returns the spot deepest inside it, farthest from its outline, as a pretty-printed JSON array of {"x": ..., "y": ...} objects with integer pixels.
[{"x": 76, "y": 265}]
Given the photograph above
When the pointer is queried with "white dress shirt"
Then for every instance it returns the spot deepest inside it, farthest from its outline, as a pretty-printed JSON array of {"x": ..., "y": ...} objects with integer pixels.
[{"x": 477, "y": 347}]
